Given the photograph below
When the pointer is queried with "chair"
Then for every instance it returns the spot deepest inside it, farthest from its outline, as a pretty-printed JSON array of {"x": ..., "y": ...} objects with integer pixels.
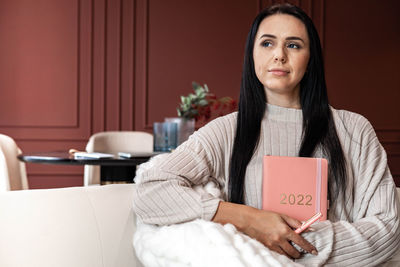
[
  {"x": 64, "y": 227},
  {"x": 12, "y": 171},
  {"x": 114, "y": 142}
]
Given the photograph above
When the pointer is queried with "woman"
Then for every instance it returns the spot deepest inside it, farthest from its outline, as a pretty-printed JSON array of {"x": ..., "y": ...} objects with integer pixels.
[{"x": 283, "y": 111}]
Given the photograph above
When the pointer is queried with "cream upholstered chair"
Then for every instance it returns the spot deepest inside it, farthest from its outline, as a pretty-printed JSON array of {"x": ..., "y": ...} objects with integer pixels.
[
  {"x": 12, "y": 171},
  {"x": 114, "y": 142},
  {"x": 68, "y": 227}
]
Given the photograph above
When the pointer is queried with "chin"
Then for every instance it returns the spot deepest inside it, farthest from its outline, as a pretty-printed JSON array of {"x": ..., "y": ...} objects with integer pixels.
[{"x": 277, "y": 87}]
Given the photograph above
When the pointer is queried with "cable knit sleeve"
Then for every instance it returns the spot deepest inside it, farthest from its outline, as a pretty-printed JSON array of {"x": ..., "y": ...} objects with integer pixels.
[
  {"x": 368, "y": 233},
  {"x": 164, "y": 191}
]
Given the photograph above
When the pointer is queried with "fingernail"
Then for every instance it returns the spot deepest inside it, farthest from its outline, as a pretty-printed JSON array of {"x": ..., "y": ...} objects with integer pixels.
[
  {"x": 311, "y": 229},
  {"x": 314, "y": 252}
]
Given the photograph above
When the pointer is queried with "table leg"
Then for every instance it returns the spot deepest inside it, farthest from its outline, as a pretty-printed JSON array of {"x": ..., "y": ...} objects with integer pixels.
[{"x": 117, "y": 174}]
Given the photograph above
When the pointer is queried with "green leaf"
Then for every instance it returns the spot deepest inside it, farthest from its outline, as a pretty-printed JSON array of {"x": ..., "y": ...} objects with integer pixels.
[
  {"x": 185, "y": 107},
  {"x": 186, "y": 101},
  {"x": 192, "y": 96},
  {"x": 206, "y": 88},
  {"x": 199, "y": 90},
  {"x": 195, "y": 86},
  {"x": 182, "y": 99},
  {"x": 203, "y": 102}
]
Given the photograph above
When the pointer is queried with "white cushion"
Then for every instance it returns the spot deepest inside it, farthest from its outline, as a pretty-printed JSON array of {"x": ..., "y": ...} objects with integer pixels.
[{"x": 80, "y": 226}]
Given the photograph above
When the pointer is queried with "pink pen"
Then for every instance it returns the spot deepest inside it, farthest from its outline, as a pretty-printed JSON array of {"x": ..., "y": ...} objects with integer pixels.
[{"x": 307, "y": 224}]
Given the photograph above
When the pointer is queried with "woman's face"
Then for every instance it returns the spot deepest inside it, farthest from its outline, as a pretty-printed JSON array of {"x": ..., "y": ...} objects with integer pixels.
[{"x": 281, "y": 54}]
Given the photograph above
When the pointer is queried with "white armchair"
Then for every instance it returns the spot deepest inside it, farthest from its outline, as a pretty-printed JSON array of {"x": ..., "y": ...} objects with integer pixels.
[
  {"x": 12, "y": 171},
  {"x": 78, "y": 226},
  {"x": 114, "y": 142}
]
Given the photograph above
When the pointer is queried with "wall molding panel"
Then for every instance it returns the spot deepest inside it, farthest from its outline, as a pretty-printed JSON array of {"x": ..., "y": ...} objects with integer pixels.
[
  {"x": 73, "y": 117},
  {"x": 141, "y": 65}
]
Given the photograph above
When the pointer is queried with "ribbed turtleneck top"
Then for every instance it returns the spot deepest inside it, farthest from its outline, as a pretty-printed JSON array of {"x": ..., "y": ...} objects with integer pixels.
[{"x": 362, "y": 229}]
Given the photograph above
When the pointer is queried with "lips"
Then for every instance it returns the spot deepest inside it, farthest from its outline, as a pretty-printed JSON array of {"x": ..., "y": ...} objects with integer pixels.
[{"x": 279, "y": 72}]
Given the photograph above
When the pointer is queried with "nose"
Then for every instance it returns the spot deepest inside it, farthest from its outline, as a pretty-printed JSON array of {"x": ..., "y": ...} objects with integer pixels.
[
  {"x": 279, "y": 55},
  {"x": 280, "y": 58}
]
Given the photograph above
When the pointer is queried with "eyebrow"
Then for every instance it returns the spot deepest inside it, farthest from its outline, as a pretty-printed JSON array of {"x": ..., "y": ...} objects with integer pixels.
[{"x": 287, "y": 38}]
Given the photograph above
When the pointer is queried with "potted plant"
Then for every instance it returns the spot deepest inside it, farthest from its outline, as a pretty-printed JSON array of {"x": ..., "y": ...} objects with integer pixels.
[{"x": 199, "y": 106}]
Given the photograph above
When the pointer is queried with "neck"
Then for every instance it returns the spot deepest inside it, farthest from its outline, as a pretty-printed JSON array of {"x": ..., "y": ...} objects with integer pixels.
[{"x": 287, "y": 100}]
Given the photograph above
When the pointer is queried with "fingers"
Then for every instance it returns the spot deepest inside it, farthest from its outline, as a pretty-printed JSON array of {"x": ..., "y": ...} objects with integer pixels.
[
  {"x": 290, "y": 251},
  {"x": 280, "y": 242},
  {"x": 276, "y": 232},
  {"x": 298, "y": 239},
  {"x": 285, "y": 247},
  {"x": 304, "y": 244},
  {"x": 292, "y": 222}
]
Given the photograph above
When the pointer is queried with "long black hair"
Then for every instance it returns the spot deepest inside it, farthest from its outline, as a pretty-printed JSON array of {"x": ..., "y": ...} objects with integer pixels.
[{"x": 318, "y": 125}]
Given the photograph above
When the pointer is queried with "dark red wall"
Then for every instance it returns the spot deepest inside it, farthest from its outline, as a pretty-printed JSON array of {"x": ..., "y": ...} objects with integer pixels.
[
  {"x": 70, "y": 68},
  {"x": 362, "y": 58}
]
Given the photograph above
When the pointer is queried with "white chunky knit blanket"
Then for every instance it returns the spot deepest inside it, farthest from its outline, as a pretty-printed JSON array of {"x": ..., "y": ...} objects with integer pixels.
[{"x": 200, "y": 243}]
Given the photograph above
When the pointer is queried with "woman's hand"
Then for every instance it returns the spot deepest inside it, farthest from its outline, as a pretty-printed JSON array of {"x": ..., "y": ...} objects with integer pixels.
[{"x": 274, "y": 230}]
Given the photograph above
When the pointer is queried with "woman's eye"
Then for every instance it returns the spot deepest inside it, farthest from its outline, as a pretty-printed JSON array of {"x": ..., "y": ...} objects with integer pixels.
[
  {"x": 266, "y": 44},
  {"x": 296, "y": 46}
]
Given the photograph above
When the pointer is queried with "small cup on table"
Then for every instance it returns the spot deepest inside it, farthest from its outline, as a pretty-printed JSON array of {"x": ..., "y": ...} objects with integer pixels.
[{"x": 165, "y": 136}]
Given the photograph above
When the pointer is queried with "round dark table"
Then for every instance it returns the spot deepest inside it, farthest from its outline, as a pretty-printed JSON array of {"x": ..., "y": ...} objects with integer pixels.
[{"x": 112, "y": 170}]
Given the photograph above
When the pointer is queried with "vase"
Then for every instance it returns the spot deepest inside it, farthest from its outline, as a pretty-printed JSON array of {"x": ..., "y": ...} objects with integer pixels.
[
  {"x": 185, "y": 128},
  {"x": 165, "y": 136}
]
